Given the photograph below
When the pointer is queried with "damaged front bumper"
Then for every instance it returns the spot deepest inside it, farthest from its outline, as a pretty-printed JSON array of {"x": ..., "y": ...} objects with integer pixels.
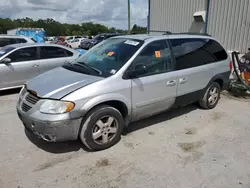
[{"x": 51, "y": 131}]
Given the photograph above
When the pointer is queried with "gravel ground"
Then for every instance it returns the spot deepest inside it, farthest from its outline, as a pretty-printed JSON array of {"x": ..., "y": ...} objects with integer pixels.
[{"x": 185, "y": 148}]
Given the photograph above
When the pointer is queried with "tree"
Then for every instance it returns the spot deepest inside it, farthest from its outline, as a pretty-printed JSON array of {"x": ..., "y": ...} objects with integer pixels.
[
  {"x": 138, "y": 30},
  {"x": 54, "y": 28}
]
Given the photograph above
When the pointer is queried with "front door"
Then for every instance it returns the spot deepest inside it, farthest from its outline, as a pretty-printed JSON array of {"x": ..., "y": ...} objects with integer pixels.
[
  {"x": 23, "y": 66},
  {"x": 154, "y": 91}
]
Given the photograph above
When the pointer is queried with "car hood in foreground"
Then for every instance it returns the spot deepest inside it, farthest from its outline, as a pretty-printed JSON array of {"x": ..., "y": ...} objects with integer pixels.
[{"x": 59, "y": 82}]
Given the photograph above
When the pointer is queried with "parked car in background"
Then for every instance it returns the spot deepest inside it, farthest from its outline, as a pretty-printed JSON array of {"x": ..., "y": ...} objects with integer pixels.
[
  {"x": 71, "y": 38},
  {"x": 14, "y": 39},
  {"x": 49, "y": 39},
  {"x": 121, "y": 80},
  {"x": 20, "y": 62},
  {"x": 60, "y": 41},
  {"x": 87, "y": 44},
  {"x": 75, "y": 43}
]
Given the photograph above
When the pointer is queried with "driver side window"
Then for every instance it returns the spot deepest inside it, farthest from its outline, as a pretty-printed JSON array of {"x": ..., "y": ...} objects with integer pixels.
[
  {"x": 24, "y": 54},
  {"x": 156, "y": 56}
]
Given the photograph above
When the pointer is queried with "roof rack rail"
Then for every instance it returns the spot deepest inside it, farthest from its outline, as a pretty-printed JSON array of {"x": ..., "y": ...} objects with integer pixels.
[
  {"x": 192, "y": 33},
  {"x": 185, "y": 33}
]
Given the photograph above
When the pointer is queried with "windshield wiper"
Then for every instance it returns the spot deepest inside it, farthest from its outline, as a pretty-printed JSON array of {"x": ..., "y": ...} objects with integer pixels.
[{"x": 82, "y": 64}]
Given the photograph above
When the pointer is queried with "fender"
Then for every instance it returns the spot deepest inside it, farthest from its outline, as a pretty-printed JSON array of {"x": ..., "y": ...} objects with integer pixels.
[
  {"x": 224, "y": 77},
  {"x": 105, "y": 98}
]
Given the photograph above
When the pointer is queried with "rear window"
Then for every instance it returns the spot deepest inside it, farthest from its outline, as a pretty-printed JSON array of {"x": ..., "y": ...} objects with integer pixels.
[
  {"x": 193, "y": 52},
  {"x": 4, "y": 42},
  {"x": 8, "y": 41},
  {"x": 18, "y": 40}
]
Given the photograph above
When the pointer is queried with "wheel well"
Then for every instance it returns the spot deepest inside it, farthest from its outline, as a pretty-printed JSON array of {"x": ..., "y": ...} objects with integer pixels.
[
  {"x": 220, "y": 82},
  {"x": 120, "y": 106}
]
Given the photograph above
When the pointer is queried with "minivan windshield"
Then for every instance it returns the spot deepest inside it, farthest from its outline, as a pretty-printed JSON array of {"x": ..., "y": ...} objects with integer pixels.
[
  {"x": 106, "y": 58},
  {"x": 5, "y": 50}
]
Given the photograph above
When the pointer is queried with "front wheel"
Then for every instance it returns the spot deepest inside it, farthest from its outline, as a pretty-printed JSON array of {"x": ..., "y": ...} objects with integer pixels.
[
  {"x": 101, "y": 128},
  {"x": 211, "y": 96}
]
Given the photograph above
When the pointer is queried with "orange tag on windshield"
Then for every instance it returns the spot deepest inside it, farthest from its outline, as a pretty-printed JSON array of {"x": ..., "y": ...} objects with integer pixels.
[
  {"x": 157, "y": 54},
  {"x": 110, "y": 54}
]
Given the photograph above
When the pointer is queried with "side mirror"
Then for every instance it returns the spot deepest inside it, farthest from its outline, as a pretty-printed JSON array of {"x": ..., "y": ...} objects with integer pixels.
[
  {"x": 139, "y": 70},
  {"x": 6, "y": 60}
]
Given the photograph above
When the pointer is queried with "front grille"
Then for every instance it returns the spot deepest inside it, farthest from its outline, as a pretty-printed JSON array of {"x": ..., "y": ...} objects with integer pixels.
[
  {"x": 31, "y": 99},
  {"x": 25, "y": 107}
]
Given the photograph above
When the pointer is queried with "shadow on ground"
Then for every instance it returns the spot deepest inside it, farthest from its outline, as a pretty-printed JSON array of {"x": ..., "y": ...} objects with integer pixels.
[
  {"x": 10, "y": 92},
  {"x": 58, "y": 147},
  {"x": 71, "y": 146},
  {"x": 165, "y": 116}
]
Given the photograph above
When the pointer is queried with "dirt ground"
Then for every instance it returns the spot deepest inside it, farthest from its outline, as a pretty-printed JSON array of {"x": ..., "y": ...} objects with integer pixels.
[{"x": 185, "y": 148}]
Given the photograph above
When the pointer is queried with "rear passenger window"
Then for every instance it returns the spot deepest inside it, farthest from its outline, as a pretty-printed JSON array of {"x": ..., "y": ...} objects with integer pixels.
[
  {"x": 24, "y": 54},
  {"x": 51, "y": 52},
  {"x": 156, "y": 57},
  {"x": 193, "y": 52}
]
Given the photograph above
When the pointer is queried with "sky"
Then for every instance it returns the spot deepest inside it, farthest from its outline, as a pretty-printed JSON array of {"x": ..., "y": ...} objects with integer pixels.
[{"x": 112, "y": 13}]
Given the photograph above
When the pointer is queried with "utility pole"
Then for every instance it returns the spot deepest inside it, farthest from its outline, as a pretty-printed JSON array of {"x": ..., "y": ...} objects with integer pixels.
[{"x": 128, "y": 16}]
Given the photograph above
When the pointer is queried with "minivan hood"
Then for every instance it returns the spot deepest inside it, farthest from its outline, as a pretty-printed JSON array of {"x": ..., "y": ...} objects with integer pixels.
[{"x": 59, "y": 82}]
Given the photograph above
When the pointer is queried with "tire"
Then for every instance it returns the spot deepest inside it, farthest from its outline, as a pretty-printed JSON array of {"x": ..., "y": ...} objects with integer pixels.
[
  {"x": 96, "y": 123},
  {"x": 205, "y": 101}
]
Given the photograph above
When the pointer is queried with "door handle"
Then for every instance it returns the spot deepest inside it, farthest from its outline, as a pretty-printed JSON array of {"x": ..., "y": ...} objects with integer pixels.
[
  {"x": 35, "y": 66},
  {"x": 182, "y": 80},
  {"x": 171, "y": 83}
]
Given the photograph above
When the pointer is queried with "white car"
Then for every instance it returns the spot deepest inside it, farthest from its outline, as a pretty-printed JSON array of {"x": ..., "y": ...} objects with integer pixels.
[
  {"x": 14, "y": 39},
  {"x": 72, "y": 38},
  {"x": 75, "y": 43}
]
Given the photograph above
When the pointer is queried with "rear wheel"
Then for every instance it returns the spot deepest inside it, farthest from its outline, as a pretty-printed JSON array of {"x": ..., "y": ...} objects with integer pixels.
[
  {"x": 211, "y": 96},
  {"x": 101, "y": 128}
]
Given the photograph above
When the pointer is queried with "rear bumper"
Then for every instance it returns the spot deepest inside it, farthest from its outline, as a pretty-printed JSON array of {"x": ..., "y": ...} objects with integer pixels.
[
  {"x": 51, "y": 131},
  {"x": 226, "y": 80}
]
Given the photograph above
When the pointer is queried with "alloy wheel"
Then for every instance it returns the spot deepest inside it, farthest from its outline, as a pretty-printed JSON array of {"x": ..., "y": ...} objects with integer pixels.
[{"x": 105, "y": 130}]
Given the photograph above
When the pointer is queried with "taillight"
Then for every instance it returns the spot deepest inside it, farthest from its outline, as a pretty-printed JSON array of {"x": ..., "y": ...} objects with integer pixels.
[{"x": 230, "y": 65}]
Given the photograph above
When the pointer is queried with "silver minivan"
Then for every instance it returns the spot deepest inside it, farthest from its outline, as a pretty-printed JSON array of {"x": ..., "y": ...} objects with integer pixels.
[
  {"x": 21, "y": 62},
  {"x": 121, "y": 80}
]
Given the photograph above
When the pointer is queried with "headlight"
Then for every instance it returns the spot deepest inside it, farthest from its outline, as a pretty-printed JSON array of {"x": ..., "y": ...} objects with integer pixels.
[{"x": 56, "y": 107}]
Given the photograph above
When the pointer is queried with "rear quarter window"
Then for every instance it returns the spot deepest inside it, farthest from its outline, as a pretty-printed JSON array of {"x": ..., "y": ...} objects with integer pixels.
[{"x": 193, "y": 52}]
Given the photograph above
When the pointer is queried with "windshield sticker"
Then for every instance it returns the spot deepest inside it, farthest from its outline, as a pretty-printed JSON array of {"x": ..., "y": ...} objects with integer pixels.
[
  {"x": 110, "y": 54},
  {"x": 130, "y": 42},
  {"x": 113, "y": 71},
  {"x": 157, "y": 54}
]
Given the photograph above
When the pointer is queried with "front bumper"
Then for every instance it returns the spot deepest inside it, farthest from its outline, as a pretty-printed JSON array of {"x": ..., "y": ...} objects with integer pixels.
[
  {"x": 52, "y": 131},
  {"x": 51, "y": 128}
]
